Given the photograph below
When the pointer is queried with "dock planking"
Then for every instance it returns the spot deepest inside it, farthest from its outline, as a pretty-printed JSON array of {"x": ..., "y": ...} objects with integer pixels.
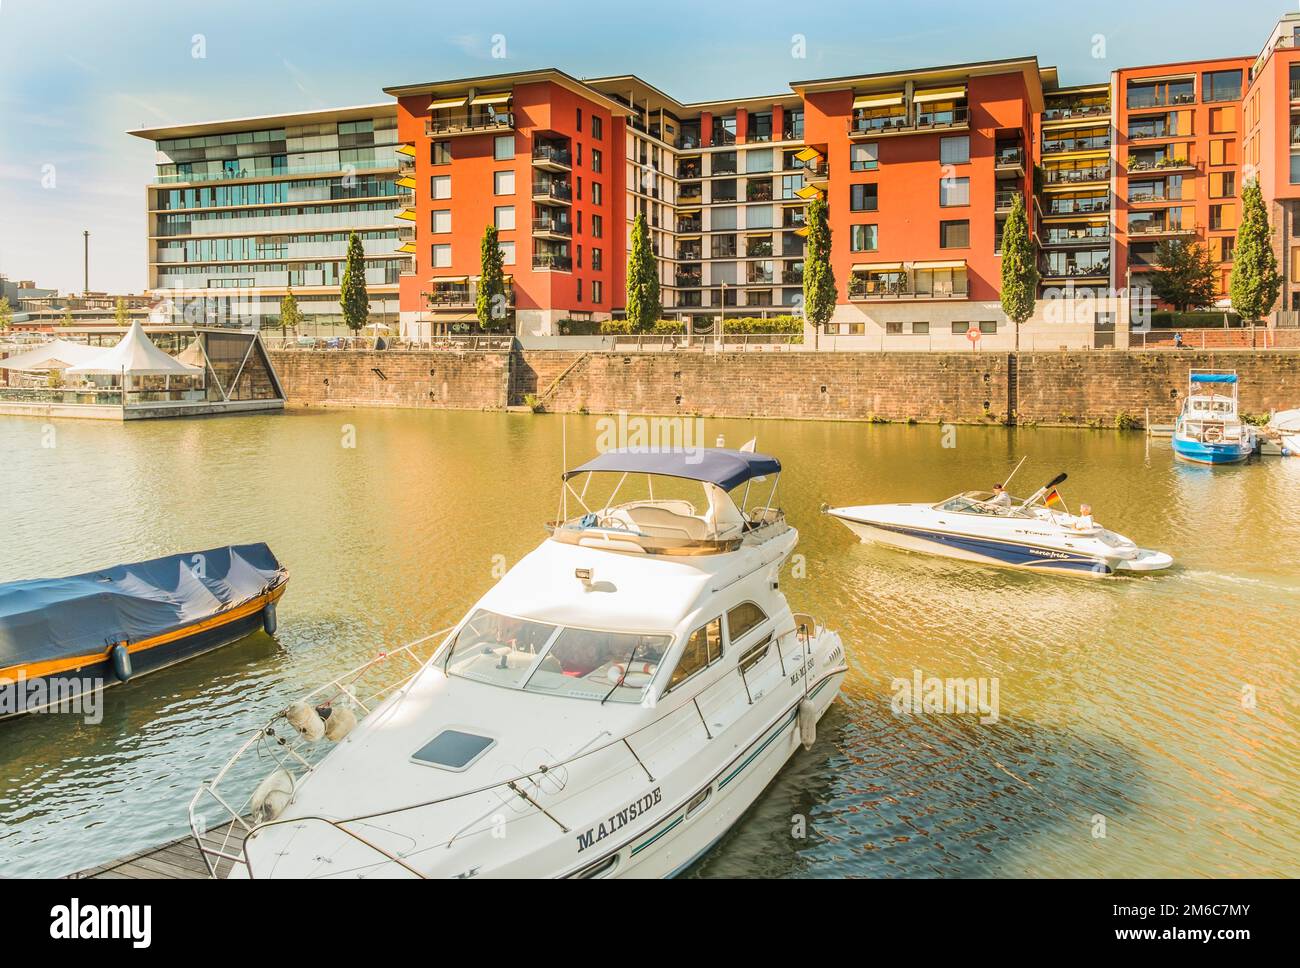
[{"x": 174, "y": 861}]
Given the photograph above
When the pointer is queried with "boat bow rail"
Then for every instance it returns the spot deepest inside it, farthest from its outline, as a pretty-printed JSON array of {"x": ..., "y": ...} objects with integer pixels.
[{"x": 529, "y": 791}]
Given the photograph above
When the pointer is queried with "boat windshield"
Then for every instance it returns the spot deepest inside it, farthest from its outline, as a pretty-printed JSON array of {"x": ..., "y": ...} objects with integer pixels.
[
  {"x": 537, "y": 657},
  {"x": 981, "y": 502}
]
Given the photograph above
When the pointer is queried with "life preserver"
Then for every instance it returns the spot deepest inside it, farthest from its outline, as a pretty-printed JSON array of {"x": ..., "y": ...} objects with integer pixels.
[
  {"x": 619, "y": 673},
  {"x": 1213, "y": 434}
]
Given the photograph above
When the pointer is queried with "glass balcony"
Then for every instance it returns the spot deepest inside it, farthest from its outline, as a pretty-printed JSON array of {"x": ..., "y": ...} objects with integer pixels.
[
  {"x": 548, "y": 262},
  {"x": 457, "y": 124}
]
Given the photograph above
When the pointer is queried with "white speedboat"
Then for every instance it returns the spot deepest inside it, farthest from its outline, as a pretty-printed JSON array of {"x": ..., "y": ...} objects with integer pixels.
[
  {"x": 1209, "y": 429},
  {"x": 610, "y": 708},
  {"x": 977, "y": 526},
  {"x": 1285, "y": 426}
]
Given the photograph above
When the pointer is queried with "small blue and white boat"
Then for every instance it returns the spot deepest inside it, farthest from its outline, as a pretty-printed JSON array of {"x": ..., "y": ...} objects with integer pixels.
[{"x": 1209, "y": 429}]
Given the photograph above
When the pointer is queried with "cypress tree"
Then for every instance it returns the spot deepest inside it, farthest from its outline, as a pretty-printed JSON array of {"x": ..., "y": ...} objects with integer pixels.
[
  {"x": 1255, "y": 283},
  {"x": 354, "y": 297},
  {"x": 818, "y": 277},
  {"x": 643, "y": 307},
  {"x": 490, "y": 301},
  {"x": 1019, "y": 272}
]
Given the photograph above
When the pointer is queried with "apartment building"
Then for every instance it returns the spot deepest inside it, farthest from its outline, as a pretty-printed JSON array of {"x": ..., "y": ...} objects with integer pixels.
[
  {"x": 1073, "y": 190},
  {"x": 920, "y": 170},
  {"x": 241, "y": 211},
  {"x": 540, "y": 156},
  {"x": 1177, "y": 156},
  {"x": 1271, "y": 145}
]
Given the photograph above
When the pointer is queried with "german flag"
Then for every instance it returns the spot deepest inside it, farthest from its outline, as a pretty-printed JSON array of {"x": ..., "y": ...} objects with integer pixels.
[{"x": 1053, "y": 498}]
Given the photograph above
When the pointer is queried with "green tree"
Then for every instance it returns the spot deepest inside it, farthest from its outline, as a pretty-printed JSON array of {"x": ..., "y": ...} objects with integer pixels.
[
  {"x": 121, "y": 314},
  {"x": 6, "y": 313},
  {"x": 819, "y": 291},
  {"x": 1183, "y": 275},
  {"x": 354, "y": 297},
  {"x": 490, "y": 301},
  {"x": 643, "y": 305},
  {"x": 290, "y": 314},
  {"x": 1019, "y": 271},
  {"x": 1255, "y": 283},
  {"x": 66, "y": 319}
]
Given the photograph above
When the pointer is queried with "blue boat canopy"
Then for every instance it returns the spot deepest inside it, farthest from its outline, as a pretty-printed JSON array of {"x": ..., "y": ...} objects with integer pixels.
[
  {"x": 714, "y": 465},
  {"x": 1214, "y": 378},
  {"x": 54, "y": 618}
]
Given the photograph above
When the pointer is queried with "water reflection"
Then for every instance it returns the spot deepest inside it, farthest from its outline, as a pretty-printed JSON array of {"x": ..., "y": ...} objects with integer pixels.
[{"x": 1119, "y": 698}]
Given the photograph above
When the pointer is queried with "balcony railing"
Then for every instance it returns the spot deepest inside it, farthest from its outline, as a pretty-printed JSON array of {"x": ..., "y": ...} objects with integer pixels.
[
  {"x": 462, "y": 123},
  {"x": 758, "y": 248},
  {"x": 552, "y": 226},
  {"x": 1161, "y": 229},
  {"x": 761, "y": 192},
  {"x": 924, "y": 121},
  {"x": 553, "y": 155},
  {"x": 690, "y": 193},
  {"x": 1011, "y": 157},
  {"x": 1159, "y": 164},
  {"x": 689, "y": 171},
  {"x": 690, "y": 253},
  {"x": 791, "y": 277},
  {"x": 558, "y": 263},
  {"x": 1075, "y": 270},
  {"x": 555, "y": 190},
  {"x": 689, "y": 225},
  {"x": 759, "y": 277},
  {"x": 1077, "y": 238},
  {"x": 1068, "y": 111},
  {"x": 1057, "y": 145},
  {"x": 864, "y": 289},
  {"x": 689, "y": 279},
  {"x": 1077, "y": 207},
  {"x": 1071, "y": 176}
]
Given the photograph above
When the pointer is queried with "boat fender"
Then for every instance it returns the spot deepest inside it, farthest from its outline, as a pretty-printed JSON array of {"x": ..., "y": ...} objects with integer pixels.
[
  {"x": 339, "y": 722},
  {"x": 121, "y": 657},
  {"x": 272, "y": 796},
  {"x": 268, "y": 618},
  {"x": 306, "y": 721},
  {"x": 807, "y": 723}
]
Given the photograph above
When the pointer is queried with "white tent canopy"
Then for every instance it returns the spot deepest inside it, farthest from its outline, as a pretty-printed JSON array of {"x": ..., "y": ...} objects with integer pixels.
[
  {"x": 135, "y": 355},
  {"x": 54, "y": 355}
]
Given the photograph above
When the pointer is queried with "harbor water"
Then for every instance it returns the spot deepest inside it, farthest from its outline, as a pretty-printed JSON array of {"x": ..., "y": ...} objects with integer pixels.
[{"x": 1144, "y": 725}]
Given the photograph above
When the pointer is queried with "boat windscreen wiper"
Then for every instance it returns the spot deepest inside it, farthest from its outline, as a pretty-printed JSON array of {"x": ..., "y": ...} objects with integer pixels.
[{"x": 626, "y": 667}]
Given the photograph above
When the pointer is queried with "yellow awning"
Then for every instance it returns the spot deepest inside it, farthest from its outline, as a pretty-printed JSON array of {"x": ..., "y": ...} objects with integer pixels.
[
  {"x": 408, "y": 150},
  {"x": 447, "y": 102},
  {"x": 408, "y": 247},
  {"x": 792, "y": 201},
  {"x": 803, "y": 231},
  {"x": 684, "y": 238},
  {"x": 808, "y": 154},
  {"x": 877, "y": 100},
  {"x": 496, "y": 97},
  {"x": 450, "y": 280},
  {"x": 687, "y": 211},
  {"x": 406, "y": 181},
  {"x": 939, "y": 94},
  {"x": 808, "y": 191},
  {"x": 878, "y": 267},
  {"x": 406, "y": 214},
  {"x": 941, "y": 264}
]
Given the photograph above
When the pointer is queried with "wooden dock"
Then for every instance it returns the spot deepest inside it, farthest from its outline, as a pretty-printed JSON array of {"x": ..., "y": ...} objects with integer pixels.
[{"x": 179, "y": 860}]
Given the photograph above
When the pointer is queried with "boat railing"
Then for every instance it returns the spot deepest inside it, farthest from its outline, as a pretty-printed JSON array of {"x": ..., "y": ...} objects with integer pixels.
[
  {"x": 298, "y": 757},
  {"x": 228, "y": 851}
]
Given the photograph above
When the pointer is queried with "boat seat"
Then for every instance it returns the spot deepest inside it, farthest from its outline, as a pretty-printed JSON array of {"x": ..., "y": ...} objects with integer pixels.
[{"x": 661, "y": 523}]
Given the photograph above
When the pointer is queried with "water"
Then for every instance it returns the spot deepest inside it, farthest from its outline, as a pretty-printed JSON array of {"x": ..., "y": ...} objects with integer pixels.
[{"x": 1121, "y": 701}]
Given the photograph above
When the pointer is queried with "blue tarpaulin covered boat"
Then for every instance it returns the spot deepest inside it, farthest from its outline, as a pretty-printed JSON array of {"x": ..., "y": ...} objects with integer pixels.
[{"x": 60, "y": 637}]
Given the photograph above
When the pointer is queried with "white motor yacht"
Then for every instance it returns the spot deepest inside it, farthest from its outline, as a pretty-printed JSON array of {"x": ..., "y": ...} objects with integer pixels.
[
  {"x": 1034, "y": 533},
  {"x": 610, "y": 708}
]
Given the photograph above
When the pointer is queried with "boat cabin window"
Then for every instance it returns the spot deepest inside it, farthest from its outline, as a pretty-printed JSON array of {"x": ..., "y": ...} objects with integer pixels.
[
  {"x": 742, "y": 619},
  {"x": 579, "y": 663},
  {"x": 586, "y": 664},
  {"x": 703, "y": 648}
]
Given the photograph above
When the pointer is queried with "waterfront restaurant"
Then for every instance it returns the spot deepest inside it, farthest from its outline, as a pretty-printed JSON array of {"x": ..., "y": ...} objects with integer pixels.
[{"x": 167, "y": 371}]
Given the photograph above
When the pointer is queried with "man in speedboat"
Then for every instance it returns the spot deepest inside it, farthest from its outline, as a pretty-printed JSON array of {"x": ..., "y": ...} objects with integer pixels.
[
  {"x": 1000, "y": 497},
  {"x": 1083, "y": 520}
]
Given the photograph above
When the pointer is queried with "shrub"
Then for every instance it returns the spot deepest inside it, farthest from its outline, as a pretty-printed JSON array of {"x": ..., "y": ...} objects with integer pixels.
[
  {"x": 1127, "y": 421},
  {"x": 533, "y": 403}
]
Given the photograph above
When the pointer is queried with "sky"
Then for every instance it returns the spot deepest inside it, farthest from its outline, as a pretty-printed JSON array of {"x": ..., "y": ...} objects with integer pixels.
[{"x": 75, "y": 75}]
